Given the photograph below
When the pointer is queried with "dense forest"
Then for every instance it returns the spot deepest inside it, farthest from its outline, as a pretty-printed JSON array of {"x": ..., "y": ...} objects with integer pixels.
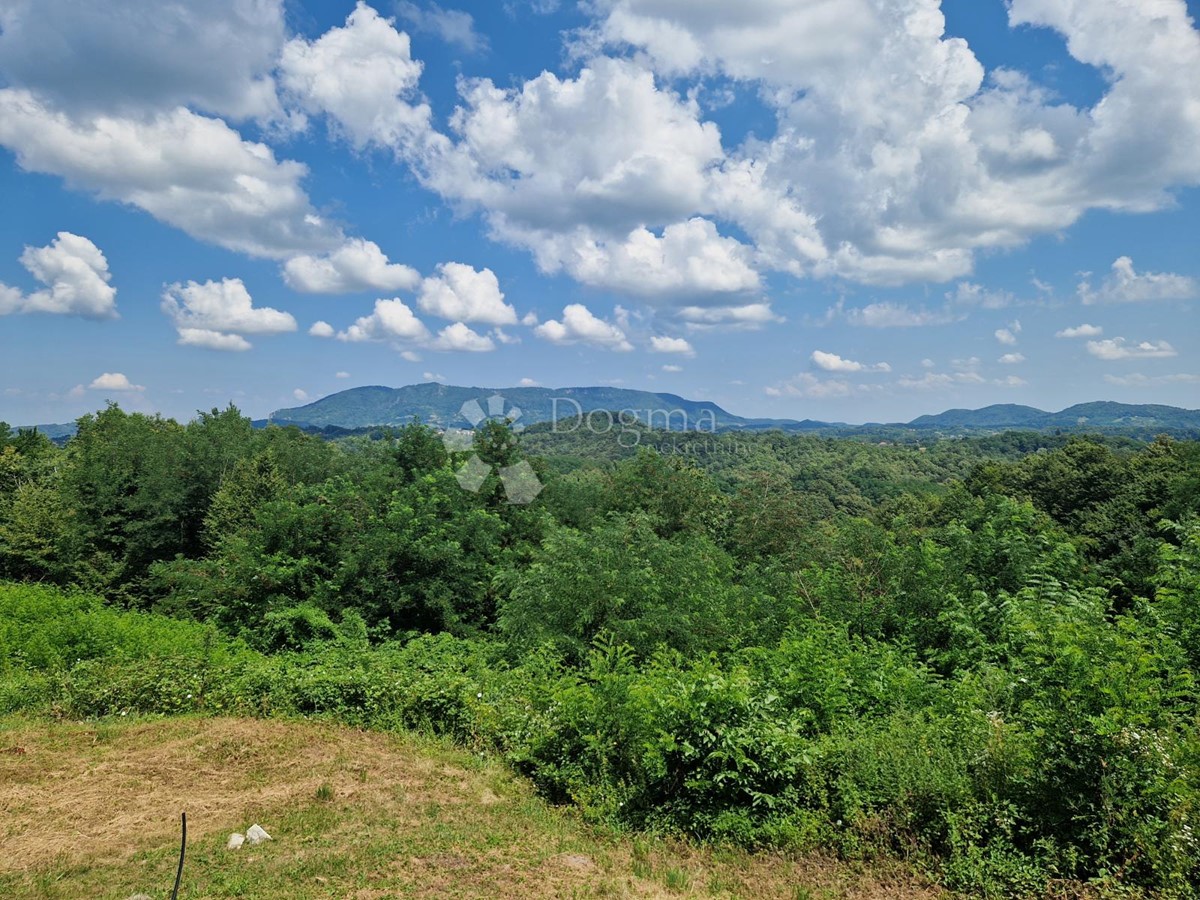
[{"x": 979, "y": 654}]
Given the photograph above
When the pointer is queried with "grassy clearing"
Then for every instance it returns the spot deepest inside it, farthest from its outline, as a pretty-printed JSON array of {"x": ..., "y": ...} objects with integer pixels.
[{"x": 91, "y": 810}]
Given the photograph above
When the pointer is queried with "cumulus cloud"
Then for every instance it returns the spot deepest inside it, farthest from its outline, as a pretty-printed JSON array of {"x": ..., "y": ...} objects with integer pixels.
[
  {"x": 192, "y": 172},
  {"x": 747, "y": 317},
  {"x": 213, "y": 340},
  {"x": 342, "y": 375},
  {"x": 217, "y": 314},
  {"x": 663, "y": 344},
  {"x": 580, "y": 326},
  {"x": 672, "y": 369},
  {"x": 605, "y": 176},
  {"x": 460, "y": 292},
  {"x": 358, "y": 265},
  {"x": 76, "y": 278},
  {"x": 689, "y": 258},
  {"x": 1126, "y": 285},
  {"x": 392, "y": 320},
  {"x": 1119, "y": 348},
  {"x": 213, "y": 55},
  {"x": 362, "y": 77},
  {"x": 1080, "y": 331},
  {"x": 1008, "y": 336},
  {"x": 906, "y": 154},
  {"x": 1010, "y": 359},
  {"x": 322, "y": 329},
  {"x": 461, "y": 339},
  {"x": 114, "y": 381},
  {"x": 831, "y": 362},
  {"x": 529, "y": 382},
  {"x": 300, "y": 394}
]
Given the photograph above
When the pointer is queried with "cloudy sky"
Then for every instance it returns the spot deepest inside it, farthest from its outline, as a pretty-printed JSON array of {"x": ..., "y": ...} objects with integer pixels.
[{"x": 839, "y": 209}]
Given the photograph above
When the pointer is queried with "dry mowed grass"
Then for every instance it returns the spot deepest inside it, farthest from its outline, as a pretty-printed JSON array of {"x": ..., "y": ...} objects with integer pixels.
[{"x": 92, "y": 810}]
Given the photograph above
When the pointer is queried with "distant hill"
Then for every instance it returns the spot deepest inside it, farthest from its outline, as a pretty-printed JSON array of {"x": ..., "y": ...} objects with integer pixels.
[
  {"x": 1098, "y": 416},
  {"x": 441, "y": 405}
]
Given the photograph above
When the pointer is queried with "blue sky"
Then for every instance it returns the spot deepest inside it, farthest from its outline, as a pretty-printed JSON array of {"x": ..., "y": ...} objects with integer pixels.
[{"x": 860, "y": 210}]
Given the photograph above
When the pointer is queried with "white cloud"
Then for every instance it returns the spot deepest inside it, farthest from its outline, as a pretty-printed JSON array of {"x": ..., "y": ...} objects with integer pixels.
[
  {"x": 213, "y": 340},
  {"x": 672, "y": 369},
  {"x": 192, "y": 172},
  {"x": 322, "y": 329},
  {"x": 1010, "y": 381},
  {"x": 748, "y": 317},
  {"x": 894, "y": 315},
  {"x": 342, "y": 375},
  {"x": 114, "y": 381},
  {"x": 217, "y": 315},
  {"x": 1118, "y": 348},
  {"x": 214, "y": 55},
  {"x": 811, "y": 387},
  {"x": 451, "y": 25},
  {"x": 1137, "y": 380},
  {"x": 1125, "y": 285},
  {"x": 831, "y": 362},
  {"x": 358, "y": 265},
  {"x": 932, "y": 381},
  {"x": 1080, "y": 331},
  {"x": 76, "y": 277},
  {"x": 1010, "y": 359},
  {"x": 362, "y": 76},
  {"x": 460, "y": 338},
  {"x": 460, "y": 292},
  {"x": 689, "y": 258},
  {"x": 891, "y": 137},
  {"x": 300, "y": 395},
  {"x": 580, "y": 326},
  {"x": 392, "y": 320},
  {"x": 1006, "y": 336},
  {"x": 969, "y": 294},
  {"x": 529, "y": 382},
  {"x": 604, "y": 176},
  {"x": 663, "y": 344}
]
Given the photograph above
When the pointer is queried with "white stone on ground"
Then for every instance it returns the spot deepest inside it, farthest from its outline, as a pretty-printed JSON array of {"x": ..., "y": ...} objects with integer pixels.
[{"x": 255, "y": 835}]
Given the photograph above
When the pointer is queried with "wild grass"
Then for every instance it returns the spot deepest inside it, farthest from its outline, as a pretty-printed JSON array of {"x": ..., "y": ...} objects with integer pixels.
[{"x": 91, "y": 810}]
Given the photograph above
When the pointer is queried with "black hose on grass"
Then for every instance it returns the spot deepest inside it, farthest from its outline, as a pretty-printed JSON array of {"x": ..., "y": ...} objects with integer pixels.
[{"x": 182, "y": 850}]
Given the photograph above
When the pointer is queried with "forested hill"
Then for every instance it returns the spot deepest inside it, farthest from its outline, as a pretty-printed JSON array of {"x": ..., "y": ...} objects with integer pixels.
[
  {"x": 441, "y": 405},
  {"x": 1103, "y": 415}
]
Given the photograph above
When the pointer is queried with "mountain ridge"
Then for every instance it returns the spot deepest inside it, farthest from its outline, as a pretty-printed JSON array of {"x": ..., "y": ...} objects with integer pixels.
[{"x": 440, "y": 405}]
